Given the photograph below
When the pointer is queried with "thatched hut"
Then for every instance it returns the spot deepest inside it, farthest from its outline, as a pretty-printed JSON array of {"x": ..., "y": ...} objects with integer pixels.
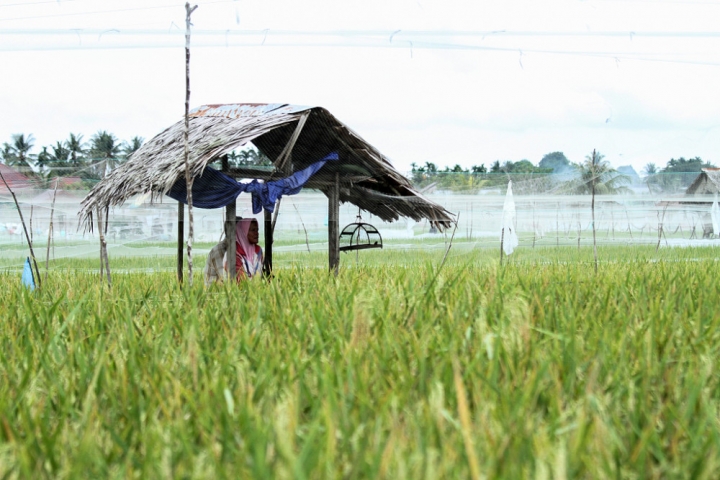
[
  {"x": 706, "y": 183},
  {"x": 292, "y": 137}
]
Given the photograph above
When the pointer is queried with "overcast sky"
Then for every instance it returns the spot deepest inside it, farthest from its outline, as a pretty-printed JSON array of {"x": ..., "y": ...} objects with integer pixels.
[{"x": 448, "y": 82}]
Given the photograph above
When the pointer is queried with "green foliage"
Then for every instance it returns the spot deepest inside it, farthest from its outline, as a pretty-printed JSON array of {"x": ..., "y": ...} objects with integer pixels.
[
  {"x": 595, "y": 175},
  {"x": 556, "y": 161},
  {"x": 562, "y": 373},
  {"x": 679, "y": 173},
  {"x": 471, "y": 180},
  {"x": 17, "y": 153}
]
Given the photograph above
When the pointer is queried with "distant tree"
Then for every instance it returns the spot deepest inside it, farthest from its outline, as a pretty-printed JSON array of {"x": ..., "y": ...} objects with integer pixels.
[
  {"x": 128, "y": 148},
  {"x": 105, "y": 152},
  {"x": 679, "y": 173},
  {"x": 595, "y": 172},
  {"x": 555, "y": 161},
  {"x": 650, "y": 172},
  {"x": 17, "y": 153},
  {"x": 495, "y": 167},
  {"x": 76, "y": 147},
  {"x": 478, "y": 169},
  {"x": 43, "y": 159},
  {"x": 650, "y": 169}
]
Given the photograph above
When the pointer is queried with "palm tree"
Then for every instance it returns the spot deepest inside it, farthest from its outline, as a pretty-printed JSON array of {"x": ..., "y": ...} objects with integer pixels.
[
  {"x": 43, "y": 159},
  {"x": 595, "y": 175},
  {"x": 129, "y": 148},
  {"x": 18, "y": 153},
  {"x": 650, "y": 171},
  {"x": 77, "y": 150},
  {"x": 104, "y": 152}
]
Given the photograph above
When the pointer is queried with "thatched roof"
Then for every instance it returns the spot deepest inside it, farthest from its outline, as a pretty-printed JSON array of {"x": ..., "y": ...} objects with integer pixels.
[
  {"x": 367, "y": 179},
  {"x": 706, "y": 183}
]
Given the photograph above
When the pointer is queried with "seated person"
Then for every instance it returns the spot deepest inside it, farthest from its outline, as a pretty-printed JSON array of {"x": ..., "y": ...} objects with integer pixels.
[{"x": 248, "y": 257}]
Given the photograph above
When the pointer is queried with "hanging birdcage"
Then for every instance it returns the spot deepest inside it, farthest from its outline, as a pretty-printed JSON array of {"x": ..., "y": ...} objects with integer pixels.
[{"x": 359, "y": 236}]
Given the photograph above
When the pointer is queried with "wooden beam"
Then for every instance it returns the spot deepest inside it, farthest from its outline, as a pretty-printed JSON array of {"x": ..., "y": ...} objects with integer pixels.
[
  {"x": 312, "y": 183},
  {"x": 268, "y": 229},
  {"x": 284, "y": 163},
  {"x": 181, "y": 235},
  {"x": 334, "y": 225},
  {"x": 230, "y": 221},
  {"x": 230, "y": 240}
]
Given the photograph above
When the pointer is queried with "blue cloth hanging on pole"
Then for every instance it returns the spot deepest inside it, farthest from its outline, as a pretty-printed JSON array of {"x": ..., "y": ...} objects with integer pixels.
[
  {"x": 28, "y": 279},
  {"x": 214, "y": 189}
]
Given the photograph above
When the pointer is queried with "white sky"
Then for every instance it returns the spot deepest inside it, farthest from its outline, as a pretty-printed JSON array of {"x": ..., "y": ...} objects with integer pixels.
[{"x": 635, "y": 79}]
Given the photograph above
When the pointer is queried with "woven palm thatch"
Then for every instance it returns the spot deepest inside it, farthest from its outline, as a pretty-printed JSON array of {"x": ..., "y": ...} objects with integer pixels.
[
  {"x": 706, "y": 183},
  {"x": 366, "y": 177}
]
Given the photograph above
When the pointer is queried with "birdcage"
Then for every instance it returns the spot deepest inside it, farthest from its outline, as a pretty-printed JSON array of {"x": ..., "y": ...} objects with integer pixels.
[{"x": 359, "y": 236}]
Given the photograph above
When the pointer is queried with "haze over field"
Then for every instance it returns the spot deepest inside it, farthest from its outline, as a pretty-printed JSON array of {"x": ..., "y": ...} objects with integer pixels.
[{"x": 444, "y": 82}]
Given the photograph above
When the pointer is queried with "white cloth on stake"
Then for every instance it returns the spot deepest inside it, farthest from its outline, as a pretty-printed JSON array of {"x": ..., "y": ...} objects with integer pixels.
[
  {"x": 508, "y": 235},
  {"x": 715, "y": 216}
]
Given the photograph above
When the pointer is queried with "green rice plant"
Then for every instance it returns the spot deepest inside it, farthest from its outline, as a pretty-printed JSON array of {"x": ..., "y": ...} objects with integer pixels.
[{"x": 395, "y": 369}]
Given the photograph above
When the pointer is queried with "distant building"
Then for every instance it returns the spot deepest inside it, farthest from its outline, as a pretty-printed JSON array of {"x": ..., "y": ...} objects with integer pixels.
[
  {"x": 630, "y": 172},
  {"x": 706, "y": 183},
  {"x": 15, "y": 180}
]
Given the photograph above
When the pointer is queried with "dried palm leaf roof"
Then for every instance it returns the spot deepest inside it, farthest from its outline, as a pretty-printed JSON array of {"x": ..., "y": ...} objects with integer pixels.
[
  {"x": 367, "y": 179},
  {"x": 707, "y": 182}
]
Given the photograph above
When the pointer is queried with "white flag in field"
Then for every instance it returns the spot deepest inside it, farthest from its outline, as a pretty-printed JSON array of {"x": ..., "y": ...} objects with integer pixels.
[
  {"x": 508, "y": 235},
  {"x": 715, "y": 216}
]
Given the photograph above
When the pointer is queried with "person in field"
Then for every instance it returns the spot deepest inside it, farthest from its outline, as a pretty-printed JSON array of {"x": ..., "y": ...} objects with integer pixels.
[{"x": 248, "y": 258}]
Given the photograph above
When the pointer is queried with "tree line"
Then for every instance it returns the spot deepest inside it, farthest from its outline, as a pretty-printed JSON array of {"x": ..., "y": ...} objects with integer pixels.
[
  {"x": 87, "y": 161},
  {"x": 676, "y": 176},
  {"x": 556, "y": 174}
]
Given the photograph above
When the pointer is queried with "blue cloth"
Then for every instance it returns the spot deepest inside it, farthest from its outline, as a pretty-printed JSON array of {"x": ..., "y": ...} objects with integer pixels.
[
  {"x": 28, "y": 280},
  {"x": 213, "y": 189}
]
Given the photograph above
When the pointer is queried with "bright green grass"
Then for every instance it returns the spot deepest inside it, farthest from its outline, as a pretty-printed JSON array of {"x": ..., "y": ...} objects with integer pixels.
[{"x": 394, "y": 369}]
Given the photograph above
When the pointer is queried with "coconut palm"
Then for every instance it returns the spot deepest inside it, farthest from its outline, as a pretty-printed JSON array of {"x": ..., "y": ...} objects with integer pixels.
[
  {"x": 131, "y": 147},
  {"x": 595, "y": 175},
  {"x": 105, "y": 152},
  {"x": 18, "y": 153},
  {"x": 76, "y": 147}
]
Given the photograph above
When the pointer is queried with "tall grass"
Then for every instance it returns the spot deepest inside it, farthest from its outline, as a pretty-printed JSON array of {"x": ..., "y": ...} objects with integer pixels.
[{"x": 391, "y": 370}]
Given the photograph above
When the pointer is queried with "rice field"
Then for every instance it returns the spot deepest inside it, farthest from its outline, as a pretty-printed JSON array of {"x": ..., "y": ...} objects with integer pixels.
[{"x": 401, "y": 367}]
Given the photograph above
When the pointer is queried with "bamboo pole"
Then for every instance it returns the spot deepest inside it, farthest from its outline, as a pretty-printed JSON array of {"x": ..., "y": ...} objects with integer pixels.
[
  {"x": 502, "y": 242},
  {"x": 181, "y": 235},
  {"x": 50, "y": 229},
  {"x": 592, "y": 207},
  {"x": 22, "y": 220},
  {"x": 103, "y": 247},
  {"x": 307, "y": 242},
  {"x": 334, "y": 226},
  {"x": 268, "y": 230},
  {"x": 230, "y": 225},
  {"x": 188, "y": 174}
]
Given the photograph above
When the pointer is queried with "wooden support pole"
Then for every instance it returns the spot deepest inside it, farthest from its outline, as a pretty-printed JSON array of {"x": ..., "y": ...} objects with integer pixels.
[
  {"x": 189, "y": 177},
  {"x": 181, "y": 235},
  {"x": 230, "y": 221},
  {"x": 333, "y": 225},
  {"x": 267, "y": 262},
  {"x": 231, "y": 245}
]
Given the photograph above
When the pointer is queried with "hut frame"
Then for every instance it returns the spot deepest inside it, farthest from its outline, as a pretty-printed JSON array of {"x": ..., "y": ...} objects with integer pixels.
[{"x": 292, "y": 137}]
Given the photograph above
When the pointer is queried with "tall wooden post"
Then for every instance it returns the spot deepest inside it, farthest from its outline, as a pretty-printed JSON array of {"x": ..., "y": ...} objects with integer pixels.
[
  {"x": 230, "y": 240},
  {"x": 334, "y": 225},
  {"x": 181, "y": 235},
  {"x": 230, "y": 220},
  {"x": 268, "y": 229}
]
